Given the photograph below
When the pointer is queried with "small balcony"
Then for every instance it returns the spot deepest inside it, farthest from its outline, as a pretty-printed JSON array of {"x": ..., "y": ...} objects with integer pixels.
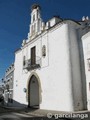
[{"x": 30, "y": 65}]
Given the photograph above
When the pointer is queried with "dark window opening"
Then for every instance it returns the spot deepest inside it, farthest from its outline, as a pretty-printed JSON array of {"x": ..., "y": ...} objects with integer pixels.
[
  {"x": 33, "y": 18},
  {"x": 88, "y": 63},
  {"x": 24, "y": 61},
  {"x": 44, "y": 51},
  {"x": 33, "y": 56}
]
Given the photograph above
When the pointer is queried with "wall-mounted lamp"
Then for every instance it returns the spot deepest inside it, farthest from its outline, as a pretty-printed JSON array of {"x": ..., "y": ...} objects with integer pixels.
[{"x": 24, "y": 90}]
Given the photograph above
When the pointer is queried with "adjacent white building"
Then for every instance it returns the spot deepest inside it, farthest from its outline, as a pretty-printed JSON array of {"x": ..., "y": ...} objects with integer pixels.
[
  {"x": 8, "y": 86},
  {"x": 86, "y": 50},
  {"x": 49, "y": 67}
]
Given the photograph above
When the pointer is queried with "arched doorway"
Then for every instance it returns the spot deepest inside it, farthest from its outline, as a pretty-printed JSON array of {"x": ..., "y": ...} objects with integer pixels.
[{"x": 33, "y": 90}]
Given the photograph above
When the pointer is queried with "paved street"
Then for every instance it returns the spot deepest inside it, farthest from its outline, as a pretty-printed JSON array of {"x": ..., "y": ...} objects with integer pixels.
[
  {"x": 13, "y": 116},
  {"x": 37, "y": 114},
  {"x": 20, "y": 116}
]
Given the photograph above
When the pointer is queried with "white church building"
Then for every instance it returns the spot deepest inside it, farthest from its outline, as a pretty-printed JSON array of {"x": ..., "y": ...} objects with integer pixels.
[{"x": 52, "y": 68}]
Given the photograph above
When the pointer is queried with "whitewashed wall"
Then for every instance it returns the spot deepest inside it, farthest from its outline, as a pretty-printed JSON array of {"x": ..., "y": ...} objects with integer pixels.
[
  {"x": 59, "y": 74},
  {"x": 86, "y": 49}
]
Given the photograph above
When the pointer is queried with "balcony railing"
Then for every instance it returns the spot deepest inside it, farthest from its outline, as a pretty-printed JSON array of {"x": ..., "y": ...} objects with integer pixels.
[{"x": 29, "y": 66}]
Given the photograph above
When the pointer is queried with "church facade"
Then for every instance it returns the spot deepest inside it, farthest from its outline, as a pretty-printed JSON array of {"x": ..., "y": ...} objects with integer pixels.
[{"x": 50, "y": 69}]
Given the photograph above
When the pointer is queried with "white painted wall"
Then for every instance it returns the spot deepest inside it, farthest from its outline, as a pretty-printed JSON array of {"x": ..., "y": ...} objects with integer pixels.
[
  {"x": 59, "y": 74},
  {"x": 19, "y": 82},
  {"x": 57, "y": 92},
  {"x": 75, "y": 68},
  {"x": 86, "y": 50}
]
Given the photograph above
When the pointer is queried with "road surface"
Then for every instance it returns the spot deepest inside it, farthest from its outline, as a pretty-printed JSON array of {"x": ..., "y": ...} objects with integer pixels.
[
  {"x": 32, "y": 114},
  {"x": 20, "y": 116}
]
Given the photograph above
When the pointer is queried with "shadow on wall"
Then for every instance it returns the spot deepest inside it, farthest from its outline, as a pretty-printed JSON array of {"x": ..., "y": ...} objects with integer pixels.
[
  {"x": 15, "y": 104},
  {"x": 11, "y": 103}
]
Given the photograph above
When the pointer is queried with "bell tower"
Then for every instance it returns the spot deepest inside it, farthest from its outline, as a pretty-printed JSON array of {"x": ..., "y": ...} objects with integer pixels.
[{"x": 36, "y": 22}]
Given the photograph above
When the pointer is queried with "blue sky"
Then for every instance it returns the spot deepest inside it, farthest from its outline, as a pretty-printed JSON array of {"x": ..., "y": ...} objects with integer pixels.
[{"x": 15, "y": 20}]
